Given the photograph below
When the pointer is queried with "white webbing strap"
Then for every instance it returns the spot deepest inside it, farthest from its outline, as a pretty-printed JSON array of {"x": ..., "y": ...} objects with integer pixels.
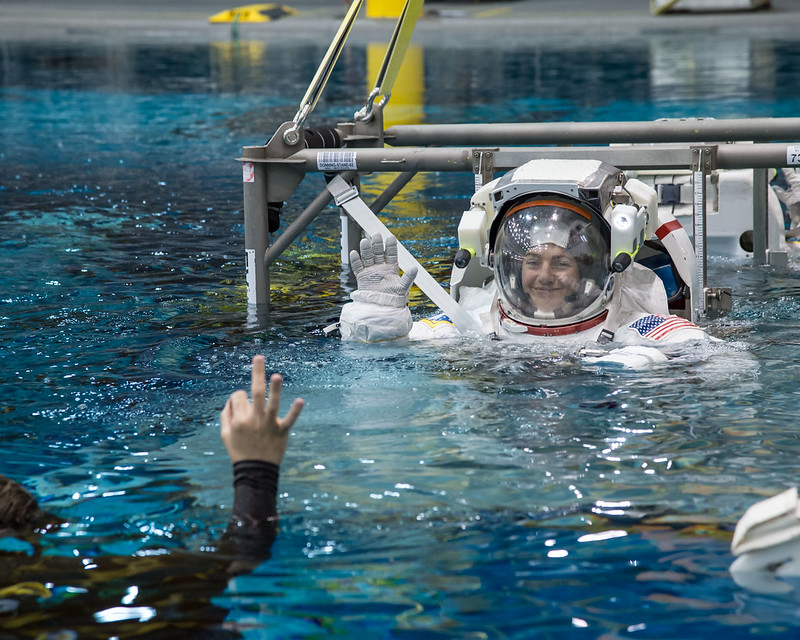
[{"x": 346, "y": 196}]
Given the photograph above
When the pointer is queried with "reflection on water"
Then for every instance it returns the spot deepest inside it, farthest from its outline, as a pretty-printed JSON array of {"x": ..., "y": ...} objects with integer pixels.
[{"x": 473, "y": 490}]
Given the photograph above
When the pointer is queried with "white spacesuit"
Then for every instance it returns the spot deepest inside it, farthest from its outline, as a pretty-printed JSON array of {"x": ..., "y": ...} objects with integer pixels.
[
  {"x": 791, "y": 198},
  {"x": 547, "y": 253}
]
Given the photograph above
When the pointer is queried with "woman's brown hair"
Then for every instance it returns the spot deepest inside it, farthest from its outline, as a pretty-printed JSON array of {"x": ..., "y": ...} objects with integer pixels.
[{"x": 18, "y": 508}]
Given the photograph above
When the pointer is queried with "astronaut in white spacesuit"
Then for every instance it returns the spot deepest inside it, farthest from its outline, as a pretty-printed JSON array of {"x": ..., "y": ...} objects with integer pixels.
[{"x": 550, "y": 255}]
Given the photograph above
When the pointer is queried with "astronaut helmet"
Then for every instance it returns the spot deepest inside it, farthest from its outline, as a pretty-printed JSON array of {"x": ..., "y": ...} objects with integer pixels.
[{"x": 551, "y": 264}]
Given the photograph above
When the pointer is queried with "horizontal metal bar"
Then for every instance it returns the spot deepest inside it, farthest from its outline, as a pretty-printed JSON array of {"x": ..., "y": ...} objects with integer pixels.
[
  {"x": 624, "y": 157},
  {"x": 752, "y": 156},
  {"x": 642, "y": 157},
  {"x": 401, "y": 160},
  {"x": 540, "y": 133}
]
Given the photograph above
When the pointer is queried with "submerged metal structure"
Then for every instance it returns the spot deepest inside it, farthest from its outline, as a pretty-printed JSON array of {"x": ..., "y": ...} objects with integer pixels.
[{"x": 273, "y": 171}]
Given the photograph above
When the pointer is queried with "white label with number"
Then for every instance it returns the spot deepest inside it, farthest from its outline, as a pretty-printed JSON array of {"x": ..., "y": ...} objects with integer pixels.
[
  {"x": 793, "y": 154},
  {"x": 336, "y": 161}
]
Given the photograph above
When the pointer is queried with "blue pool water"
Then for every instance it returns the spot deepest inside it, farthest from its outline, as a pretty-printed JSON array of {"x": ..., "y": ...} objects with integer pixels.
[{"x": 477, "y": 491}]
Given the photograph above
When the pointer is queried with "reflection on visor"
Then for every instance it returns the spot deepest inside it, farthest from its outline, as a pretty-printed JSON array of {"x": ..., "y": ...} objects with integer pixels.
[{"x": 551, "y": 263}]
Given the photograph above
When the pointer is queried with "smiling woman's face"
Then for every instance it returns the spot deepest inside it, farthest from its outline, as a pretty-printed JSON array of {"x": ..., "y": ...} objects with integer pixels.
[{"x": 549, "y": 276}]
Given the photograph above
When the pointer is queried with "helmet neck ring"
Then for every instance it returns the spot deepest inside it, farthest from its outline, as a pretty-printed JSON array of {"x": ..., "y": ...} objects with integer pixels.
[{"x": 543, "y": 330}]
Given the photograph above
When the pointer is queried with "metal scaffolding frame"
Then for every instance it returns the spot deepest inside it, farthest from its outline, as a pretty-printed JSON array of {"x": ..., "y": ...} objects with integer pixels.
[{"x": 273, "y": 171}]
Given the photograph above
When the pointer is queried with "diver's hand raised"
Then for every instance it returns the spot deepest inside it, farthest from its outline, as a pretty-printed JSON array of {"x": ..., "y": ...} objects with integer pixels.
[
  {"x": 253, "y": 431},
  {"x": 377, "y": 273}
]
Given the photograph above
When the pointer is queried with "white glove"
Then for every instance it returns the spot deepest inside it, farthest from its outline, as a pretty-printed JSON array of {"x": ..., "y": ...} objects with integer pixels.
[
  {"x": 377, "y": 273},
  {"x": 630, "y": 357}
]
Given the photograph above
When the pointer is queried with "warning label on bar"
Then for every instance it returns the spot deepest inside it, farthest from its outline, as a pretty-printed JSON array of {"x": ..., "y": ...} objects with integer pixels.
[
  {"x": 248, "y": 172},
  {"x": 336, "y": 160}
]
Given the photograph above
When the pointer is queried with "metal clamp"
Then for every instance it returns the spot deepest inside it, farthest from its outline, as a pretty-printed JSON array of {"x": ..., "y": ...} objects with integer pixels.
[
  {"x": 365, "y": 113},
  {"x": 346, "y": 195},
  {"x": 292, "y": 135},
  {"x": 718, "y": 298}
]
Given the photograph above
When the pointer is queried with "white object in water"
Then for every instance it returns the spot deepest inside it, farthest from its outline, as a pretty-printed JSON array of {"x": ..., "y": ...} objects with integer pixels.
[
  {"x": 729, "y": 209},
  {"x": 767, "y": 543}
]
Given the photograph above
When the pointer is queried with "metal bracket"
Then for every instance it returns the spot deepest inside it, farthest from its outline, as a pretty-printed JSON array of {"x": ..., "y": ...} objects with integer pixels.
[
  {"x": 778, "y": 259},
  {"x": 718, "y": 298},
  {"x": 365, "y": 133},
  {"x": 704, "y": 158},
  {"x": 483, "y": 166}
]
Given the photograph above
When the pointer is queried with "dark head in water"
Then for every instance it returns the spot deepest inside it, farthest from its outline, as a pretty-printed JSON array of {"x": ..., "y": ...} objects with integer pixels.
[{"x": 19, "y": 509}]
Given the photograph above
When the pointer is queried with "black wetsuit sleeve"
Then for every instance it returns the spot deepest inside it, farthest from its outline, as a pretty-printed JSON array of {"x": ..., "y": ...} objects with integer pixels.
[{"x": 254, "y": 522}]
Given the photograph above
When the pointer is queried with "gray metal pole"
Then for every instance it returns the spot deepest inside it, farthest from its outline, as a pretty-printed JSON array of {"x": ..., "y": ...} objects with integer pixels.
[
  {"x": 642, "y": 156},
  {"x": 399, "y": 160},
  {"x": 300, "y": 223},
  {"x": 752, "y": 156},
  {"x": 256, "y": 236},
  {"x": 699, "y": 237},
  {"x": 296, "y": 227},
  {"x": 703, "y": 164},
  {"x": 392, "y": 190},
  {"x": 760, "y": 223},
  {"x": 669, "y": 130}
]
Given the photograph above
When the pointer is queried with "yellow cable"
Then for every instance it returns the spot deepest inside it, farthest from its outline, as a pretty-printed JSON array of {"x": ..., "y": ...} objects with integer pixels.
[
  {"x": 401, "y": 39},
  {"x": 26, "y": 589},
  {"x": 657, "y": 11}
]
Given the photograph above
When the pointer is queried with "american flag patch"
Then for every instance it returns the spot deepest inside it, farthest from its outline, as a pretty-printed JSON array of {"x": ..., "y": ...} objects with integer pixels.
[{"x": 656, "y": 327}]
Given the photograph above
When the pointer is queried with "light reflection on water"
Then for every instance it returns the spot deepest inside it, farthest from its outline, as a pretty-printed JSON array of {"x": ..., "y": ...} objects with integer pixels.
[{"x": 439, "y": 491}]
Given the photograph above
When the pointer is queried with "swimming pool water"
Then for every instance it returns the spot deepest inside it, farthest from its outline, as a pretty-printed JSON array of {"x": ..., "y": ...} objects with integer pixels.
[{"x": 473, "y": 491}]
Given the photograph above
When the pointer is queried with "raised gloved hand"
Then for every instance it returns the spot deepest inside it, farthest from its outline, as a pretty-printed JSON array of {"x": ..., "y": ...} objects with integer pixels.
[{"x": 377, "y": 273}]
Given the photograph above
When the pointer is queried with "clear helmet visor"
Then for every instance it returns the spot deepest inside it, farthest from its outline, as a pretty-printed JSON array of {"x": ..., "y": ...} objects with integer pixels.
[{"x": 551, "y": 263}]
